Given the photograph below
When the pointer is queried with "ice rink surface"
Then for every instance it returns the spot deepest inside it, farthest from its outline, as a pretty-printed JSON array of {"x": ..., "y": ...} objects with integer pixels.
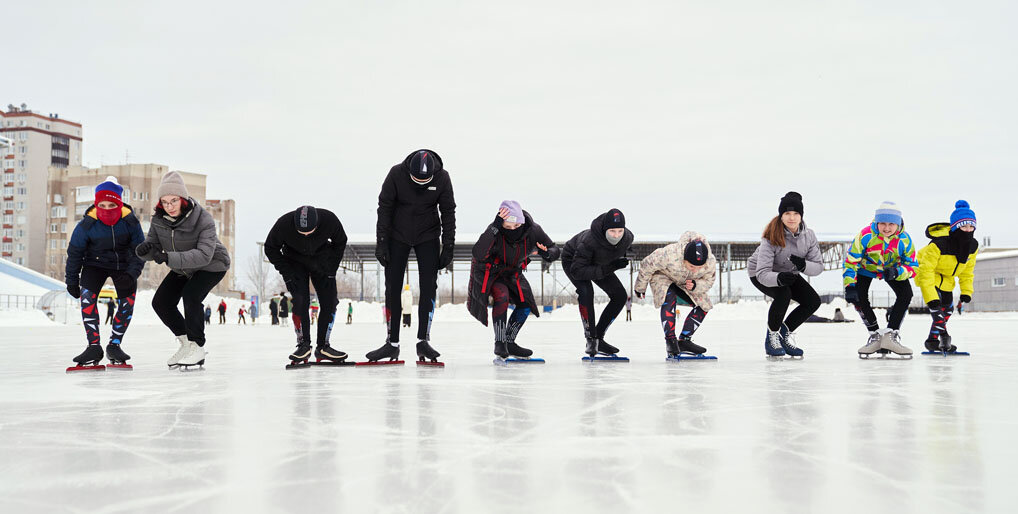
[{"x": 830, "y": 433}]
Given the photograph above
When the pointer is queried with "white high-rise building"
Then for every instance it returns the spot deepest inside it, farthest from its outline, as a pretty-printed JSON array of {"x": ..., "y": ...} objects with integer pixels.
[{"x": 37, "y": 142}]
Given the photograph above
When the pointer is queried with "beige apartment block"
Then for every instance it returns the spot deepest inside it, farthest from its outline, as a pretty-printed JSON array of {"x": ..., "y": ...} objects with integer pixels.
[{"x": 38, "y": 142}]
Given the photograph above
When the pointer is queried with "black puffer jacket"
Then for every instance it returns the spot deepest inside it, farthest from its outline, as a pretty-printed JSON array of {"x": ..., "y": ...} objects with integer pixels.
[
  {"x": 409, "y": 212},
  {"x": 584, "y": 256},
  {"x": 94, "y": 243},
  {"x": 501, "y": 255},
  {"x": 319, "y": 253}
]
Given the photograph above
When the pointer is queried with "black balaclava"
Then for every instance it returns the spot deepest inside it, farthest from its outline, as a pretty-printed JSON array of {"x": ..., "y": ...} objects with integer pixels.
[
  {"x": 695, "y": 253},
  {"x": 510, "y": 235},
  {"x": 423, "y": 166},
  {"x": 961, "y": 242}
]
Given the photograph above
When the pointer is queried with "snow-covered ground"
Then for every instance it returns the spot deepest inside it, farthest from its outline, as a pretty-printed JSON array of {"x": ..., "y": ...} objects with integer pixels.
[{"x": 830, "y": 433}]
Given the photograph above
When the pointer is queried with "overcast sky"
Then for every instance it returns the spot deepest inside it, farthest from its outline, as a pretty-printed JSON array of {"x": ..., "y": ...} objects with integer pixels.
[{"x": 685, "y": 115}]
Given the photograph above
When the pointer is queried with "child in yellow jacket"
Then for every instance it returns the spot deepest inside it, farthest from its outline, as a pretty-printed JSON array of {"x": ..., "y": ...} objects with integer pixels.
[{"x": 950, "y": 255}]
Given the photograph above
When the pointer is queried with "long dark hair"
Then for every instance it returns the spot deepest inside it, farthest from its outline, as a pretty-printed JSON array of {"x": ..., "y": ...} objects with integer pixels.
[{"x": 774, "y": 232}]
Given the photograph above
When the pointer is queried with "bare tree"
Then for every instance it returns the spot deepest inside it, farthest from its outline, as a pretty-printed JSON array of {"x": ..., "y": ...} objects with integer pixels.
[{"x": 262, "y": 277}]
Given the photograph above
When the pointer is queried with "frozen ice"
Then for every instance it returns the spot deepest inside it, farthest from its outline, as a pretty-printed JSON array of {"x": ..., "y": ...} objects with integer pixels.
[{"x": 830, "y": 433}]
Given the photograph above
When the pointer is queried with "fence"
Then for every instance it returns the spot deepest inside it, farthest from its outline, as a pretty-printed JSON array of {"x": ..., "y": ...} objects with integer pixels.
[{"x": 12, "y": 302}]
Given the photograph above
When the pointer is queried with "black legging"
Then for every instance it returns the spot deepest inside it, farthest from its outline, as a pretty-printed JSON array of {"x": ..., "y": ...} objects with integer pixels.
[
  {"x": 903, "y": 296},
  {"x": 325, "y": 286},
  {"x": 616, "y": 301},
  {"x": 801, "y": 292},
  {"x": 193, "y": 290},
  {"x": 427, "y": 269}
]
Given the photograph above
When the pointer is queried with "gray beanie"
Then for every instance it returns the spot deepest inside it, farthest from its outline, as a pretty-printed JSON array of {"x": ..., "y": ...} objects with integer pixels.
[{"x": 172, "y": 184}]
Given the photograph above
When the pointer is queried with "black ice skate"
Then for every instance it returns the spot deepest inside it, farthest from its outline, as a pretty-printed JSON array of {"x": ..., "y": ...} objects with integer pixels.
[
  {"x": 386, "y": 354},
  {"x": 511, "y": 352},
  {"x": 686, "y": 345},
  {"x": 326, "y": 355},
  {"x": 684, "y": 348},
  {"x": 604, "y": 348},
  {"x": 88, "y": 360},
  {"x": 299, "y": 357},
  {"x": 118, "y": 359},
  {"x": 672, "y": 346},
  {"x": 591, "y": 349},
  {"x": 501, "y": 351},
  {"x": 426, "y": 355}
]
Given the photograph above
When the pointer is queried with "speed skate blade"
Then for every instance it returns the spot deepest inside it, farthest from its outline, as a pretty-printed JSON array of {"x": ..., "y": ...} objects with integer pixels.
[
  {"x": 436, "y": 364},
  {"x": 324, "y": 362},
  {"x": 517, "y": 360},
  {"x": 605, "y": 358},
  {"x": 298, "y": 365},
  {"x": 691, "y": 357},
  {"x": 122, "y": 366},
  {"x": 945, "y": 354},
  {"x": 99, "y": 367},
  {"x": 380, "y": 363}
]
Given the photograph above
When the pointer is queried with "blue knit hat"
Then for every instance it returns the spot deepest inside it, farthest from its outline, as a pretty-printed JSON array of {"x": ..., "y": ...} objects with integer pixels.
[
  {"x": 110, "y": 191},
  {"x": 888, "y": 212},
  {"x": 962, "y": 215}
]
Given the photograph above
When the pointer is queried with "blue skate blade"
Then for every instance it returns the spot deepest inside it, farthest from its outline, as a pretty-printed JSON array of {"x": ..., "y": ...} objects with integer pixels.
[
  {"x": 691, "y": 357},
  {"x": 945, "y": 354},
  {"x": 514, "y": 360},
  {"x": 606, "y": 358}
]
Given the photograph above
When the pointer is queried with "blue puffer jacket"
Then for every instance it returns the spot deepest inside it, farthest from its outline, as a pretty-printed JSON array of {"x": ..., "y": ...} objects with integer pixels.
[{"x": 94, "y": 243}]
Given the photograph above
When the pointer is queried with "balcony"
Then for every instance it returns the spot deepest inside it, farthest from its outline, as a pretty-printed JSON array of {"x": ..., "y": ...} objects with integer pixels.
[
  {"x": 61, "y": 146},
  {"x": 59, "y": 161}
]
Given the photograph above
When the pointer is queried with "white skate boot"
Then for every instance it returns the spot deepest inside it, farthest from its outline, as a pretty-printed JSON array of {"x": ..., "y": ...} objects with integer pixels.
[
  {"x": 871, "y": 346},
  {"x": 195, "y": 356},
  {"x": 172, "y": 361},
  {"x": 891, "y": 342}
]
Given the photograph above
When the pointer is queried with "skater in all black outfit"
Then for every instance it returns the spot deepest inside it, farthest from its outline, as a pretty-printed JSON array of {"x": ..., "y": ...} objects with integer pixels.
[
  {"x": 222, "y": 312},
  {"x": 415, "y": 208},
  {"x": 102, "y": 247},
  {"x": 183, "y": 236},
  {"x": 499, "y": 258},
  {"x": 592, "y": 257},
  {"x": 308, "y": 245}
]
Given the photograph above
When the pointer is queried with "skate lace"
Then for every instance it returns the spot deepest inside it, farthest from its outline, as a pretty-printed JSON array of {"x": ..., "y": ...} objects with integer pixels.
[
  {"x": 775, "y": 340},
  {"x": 182, "y": 351},
  {"x": 790, "y": 340},
  {"x": 874, "y": 337}
]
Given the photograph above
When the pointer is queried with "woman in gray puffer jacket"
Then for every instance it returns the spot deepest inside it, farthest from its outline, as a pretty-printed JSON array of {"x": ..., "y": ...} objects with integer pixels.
[
  {"x": 183, "y": 236},
  {"x": 787, "y": 251}
]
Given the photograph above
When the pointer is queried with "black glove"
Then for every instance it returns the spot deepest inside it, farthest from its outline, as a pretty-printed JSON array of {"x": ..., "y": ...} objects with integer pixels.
[
  {"x": 74, "y": 290},
  {"x": 965, "y": 299},
  {"x": 617, "y": 264},
  {"x": 787, "y": 278},
  {"x": 799, "y": 262},
  {"x": 382, "y": 252},
  {"x": 891, "y": 273},
  {"x": 851, "y": 294},
  {"x": 445, "y": 259},
  {"x": 694, "y": 285},
  {"x": 933, "y": 305},
  {"x": 159, "y": 257},
  {"x": 641, "y": 294},
  {"x": 143, "y": 249}
]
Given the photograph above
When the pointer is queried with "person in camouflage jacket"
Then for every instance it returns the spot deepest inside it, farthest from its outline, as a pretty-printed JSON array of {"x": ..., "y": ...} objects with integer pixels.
[{"x": 681, "y": 273}]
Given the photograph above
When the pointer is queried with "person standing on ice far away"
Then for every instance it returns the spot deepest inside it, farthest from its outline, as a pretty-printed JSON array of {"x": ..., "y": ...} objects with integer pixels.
[
  {"x": 629, "y": 308},
  {"x": 950, "y": 255},
  {"x": 240, "y": 315},
  {"x": 307, "y": 245},
  {"x": 500, "y": 256},
  {"x": 222, "y": 311},
  {"x": 110, "y": 308},
  {"x": 592, "y": 257},
  {"x": 274, "y": 309},
  {"x": 284, "y": 309},
  {"x": 208, "y": 315},
  {"x": 183, "y": 236},
  {"x": 883, "y": 251},
  {"x": 253, "y": 309},
  {"x": 349, "y": 313},
  {"x": 415, "y": 207},
  {"x": 681, "y": 273},
  {"x": 406, "y": 302},
  {"x": 102, "y": 247},
  {"x": 787, "y": 251}
]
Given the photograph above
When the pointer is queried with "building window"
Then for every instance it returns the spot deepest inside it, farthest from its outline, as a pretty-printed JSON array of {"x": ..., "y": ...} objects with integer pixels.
[
  {"x": 999, "y": 282},
  {"x": 63, "y": 227},
  {"x": 83, "y": 194},
  {"x": 21, "y": 206},
  {"x": 22, "y": 190},
  {"x": 53, "y": 228}
]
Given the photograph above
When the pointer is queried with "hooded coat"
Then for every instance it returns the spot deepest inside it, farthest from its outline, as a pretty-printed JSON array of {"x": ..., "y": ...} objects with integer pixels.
[
  {"x": 665, "y": 266},
  {"x": 871, "y": 252},
  {"x": 947, "y": 257},
  {"x": 585, "y": 254},
  {"x": 189, "y": 240},
  {"x": 768, "y": 260},
  {"x": 500, "y": 254},
  {"x": 94, "y": 243},
  {"x": 410, "y": 212}
]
